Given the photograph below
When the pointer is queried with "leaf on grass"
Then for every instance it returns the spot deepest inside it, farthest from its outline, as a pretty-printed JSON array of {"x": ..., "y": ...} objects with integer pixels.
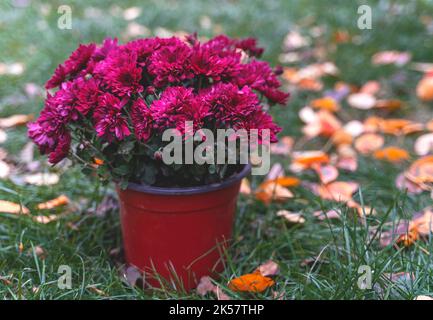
[
  {"x": 421, "y": 172},
  {"x": 340, "y": 191},
  {"x": 371, "y": 87},
  {"x": 341, "y": 137},
  {"x": 424, "y": 89},
  {"x": 50, "y": 204},
  {"x": 397, "y": 58},
  {"x": 399, "y": 127},
  {"x": 307, "y": 159},
  {"x": 369, "y": 142},
  {"x": 402, "y": 183},
  {"x": 330, "y": 214},
  {"x": 45, "y": 219},
  {"x": 325, "y": 103},
  {"x": 422, "y": 297},
  {"x": 326, "y": 173},
  {"x": 13, "y": 208},
  {"x": 292, "y": 217},
  {"x": 283, "y": 146},
  {"x": 363, "y": 101},
  {"x": 252, "y": 282},
  {"x": 97, "y": 291},
  {"x": 206, "y": 286},
  {"x": 391, "y": 154},
  {"x": 269, "y": 268},
  {"x": 5, "y": 170},
  {"x": 42, "y": 179},
  {"x": 389, "y": 104},
  {"x": 272, "y": 191},
  {"x": 15, "y": 120},
  {"x": 245, "y": 187},
  {"x": 424, "y": 144}
]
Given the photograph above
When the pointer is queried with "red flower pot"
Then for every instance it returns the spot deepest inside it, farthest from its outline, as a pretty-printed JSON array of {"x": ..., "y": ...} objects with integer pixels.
[{"x": 178, "y": 233}]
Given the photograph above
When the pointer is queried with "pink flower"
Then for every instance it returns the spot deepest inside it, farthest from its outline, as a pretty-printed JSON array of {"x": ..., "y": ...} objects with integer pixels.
[
  {"x": 87, "y": 93},
  {"x": 259, "y": 76},
  {"x": 62, "y": 149},
  {"x": 261, "y": 121},
  {"x": 177, "y": 105},
  {"x": 228, "y": 104},
  {"x": 142, "y": 120},
  {"x": 170, "y": 63},
  {"x": 120, "y": 72},
  {"x": 109, "y": 121},
  {"x": 74, "y": 65}
]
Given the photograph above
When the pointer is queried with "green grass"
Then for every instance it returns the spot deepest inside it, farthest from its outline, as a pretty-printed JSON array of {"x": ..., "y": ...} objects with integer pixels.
[{"x": 30, "y": 35}]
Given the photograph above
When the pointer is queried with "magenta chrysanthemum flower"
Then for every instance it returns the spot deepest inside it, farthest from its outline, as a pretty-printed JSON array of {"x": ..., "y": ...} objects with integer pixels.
[
  {"x": 170, "y": 63},
  {"x": 87, "y": 93},
  {"x": 259, "y": 76},
  {"x": 177, "y": 105},
  {"x": 120, "y": 72},
  {"x": 143, "y": 48},
  {"x": 109, "y": 121},
  {"x": 228, "y": 104},
  {"x": 73, "y": 66},
  {"x": 62, "y": 149},
  {"x": 261, "y": 121},
  {"x": 142, "y": 121}
]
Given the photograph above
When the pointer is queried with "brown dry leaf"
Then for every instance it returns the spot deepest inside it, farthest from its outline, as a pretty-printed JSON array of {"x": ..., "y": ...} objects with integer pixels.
[
  {"x": 50, "y": 204},
  {"x": 13, "y": 208},
  {"x": 423, "y": 224},
  {"x": 292, "y": 217},
  {"x": 40, "y": 252},
  {"x": 269, "y": 268},
  {"x": 6, "y": 280},
  {"x": 341, "y": 191},
  {"x": 252, "y": 282},
  {"x": 326, "y": 103},
  {"x": 42, "y": 179},
  {"x": 397, "y": 58},
  {"x": 307, "y": 159},
  {"x": 363, "y": 101},
  {"x": 205, "y": 286},
  {"x": 361, "y": 210},
  {"x": 368, "y": 143},
  {"x": 97, "y": 291},
  {"x": 391, "y": 154},
  {"x": 45, "y": 219},
  {"x": 15, "y": 120},
  {"x": 424, "y": 89},
  {"x": 326, "y": 173},
  {"x": 389, "y": 104},
  {"x": 422, "y": 297},
  {"x": 424, "y": 144},
  {"x": 245, "y": 187},
  {"x": 283, "y": 147}
]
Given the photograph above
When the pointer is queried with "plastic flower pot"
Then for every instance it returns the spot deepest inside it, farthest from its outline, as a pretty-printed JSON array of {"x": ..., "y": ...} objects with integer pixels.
[{"x": 178, "y": 234}]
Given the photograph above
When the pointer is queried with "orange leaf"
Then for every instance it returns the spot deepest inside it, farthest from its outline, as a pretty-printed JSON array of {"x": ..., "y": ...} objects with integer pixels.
[
  {"x": 252, "y": 282},
  {"x": 13, "y": 208},
  {"x": 390, "y": 104},
  {"x": 326, "y": 103},
  {"x": 59, "y": 201},
  {"x": 270, "y": 190},
  {"x": 245, "y": 187},
  {"x": 421, "y": 171},
  {"x": 399, "y": 126},
  {"x": 392, "y": 154},
  {"x": 424, "y": 89},
  {"x": 306, "y": 159},
  {"x": 337, "y": 191}
]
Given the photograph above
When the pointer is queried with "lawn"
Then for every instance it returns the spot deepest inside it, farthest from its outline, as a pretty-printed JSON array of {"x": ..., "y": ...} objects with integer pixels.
[{"x": 317, "y": 259}]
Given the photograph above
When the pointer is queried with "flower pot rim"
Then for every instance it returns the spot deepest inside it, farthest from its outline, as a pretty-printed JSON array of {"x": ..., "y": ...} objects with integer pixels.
[{"x": 191, "y": 190}]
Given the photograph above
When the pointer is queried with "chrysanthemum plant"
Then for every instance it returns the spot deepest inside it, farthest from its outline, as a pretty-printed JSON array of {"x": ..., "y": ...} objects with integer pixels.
[{"x": 107, "y": 106}]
